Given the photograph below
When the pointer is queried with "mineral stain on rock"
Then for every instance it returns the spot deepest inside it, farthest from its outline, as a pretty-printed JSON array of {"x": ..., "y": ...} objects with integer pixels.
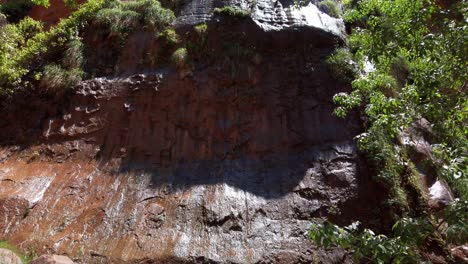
[{"x": 157, "y": 168}]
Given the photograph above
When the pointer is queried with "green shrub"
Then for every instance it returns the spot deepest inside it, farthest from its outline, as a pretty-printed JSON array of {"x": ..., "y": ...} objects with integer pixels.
[
  {"x": 341, "y": 66},
  {"x": 16, "y": 38},
  {"x": 180, "y": 58},
  {"x": 117, "y": 21},
  {"x": 169, "y": 36},
  {"x": 29, "y": 27},
  {"x": 330, "y": 7},
  {"x": 367, "y": 247},
  {"x": 231, "y": 11},
  {"x": 45, "y": 3},
  {"x": 417, "y": 48},
  {"x": 406, "y": 241},
  {"x": 21, "y": 60},
  {"x": 121, "y": 17},
  {"x": 55, "y": 79},
  {"x": 71, "y": 3},
  {"x": 153, "y": 14},
  {"x": 25, "y": 49}
]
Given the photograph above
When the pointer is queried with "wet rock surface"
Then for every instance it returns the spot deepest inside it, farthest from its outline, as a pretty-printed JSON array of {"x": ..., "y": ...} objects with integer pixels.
[
  {"x": 208, "y": 167},
  {"x": 183, "y": 170}
]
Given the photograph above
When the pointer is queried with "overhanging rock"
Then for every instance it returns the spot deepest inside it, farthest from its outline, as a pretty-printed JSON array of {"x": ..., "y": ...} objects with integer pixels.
[{"x": 268, "y": 15}]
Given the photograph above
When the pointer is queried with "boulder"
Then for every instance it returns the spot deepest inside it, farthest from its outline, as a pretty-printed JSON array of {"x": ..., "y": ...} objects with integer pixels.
[
  {"x": 52, "y": 259},
  {"x": 9, "y": 257},
  {"x": 460, "y": 254},
  {"x": 440, "y": 195}
]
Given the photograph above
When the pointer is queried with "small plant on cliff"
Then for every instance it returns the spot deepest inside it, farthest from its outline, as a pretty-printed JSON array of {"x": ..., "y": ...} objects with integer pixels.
[
  {"x": 55, "y": 79},
  {"x": 330, "y": 7},
  {"x": 197, "y": 47},
  {"x": 201, "y": 29},
  {"x": 169, "y": 36},
  {"x": 45, "y": 3},
  {"x": 231, "y": 11},
  {"x": 340, "y": 64},
  {"x": 180, "y": 58},
  {"x": 70, "y": 3},
  {"x": 73, "y": 56}
]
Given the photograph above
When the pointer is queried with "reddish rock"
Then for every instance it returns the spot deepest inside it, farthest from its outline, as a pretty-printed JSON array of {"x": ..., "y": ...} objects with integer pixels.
[
  {"x": 222, "y": 166},
  {"x": 51, "y": 15},
  {"x": 460, "y": 254}
]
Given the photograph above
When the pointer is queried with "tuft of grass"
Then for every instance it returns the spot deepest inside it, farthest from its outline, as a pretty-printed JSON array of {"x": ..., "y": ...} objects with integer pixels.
[
  {"x": 169, "y": 36},
  {"x": 197, "y": 46},
  {"x": 180, "y": 57},
  {"x": 153, "y": 15},
  {"x": 73, "y": 57},
  {"x": 122, "y": 17},
  {"x": 55, "y": 79},
  {"x": 231, "y": 11},
  {"x": 330, "y": 7},
  {"x": 201, "y": 29},
  {"x": 116, "y": 20}
]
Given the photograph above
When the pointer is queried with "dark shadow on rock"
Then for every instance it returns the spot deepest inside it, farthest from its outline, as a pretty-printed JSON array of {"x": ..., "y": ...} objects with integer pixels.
[{"x": 271, "y": 177}]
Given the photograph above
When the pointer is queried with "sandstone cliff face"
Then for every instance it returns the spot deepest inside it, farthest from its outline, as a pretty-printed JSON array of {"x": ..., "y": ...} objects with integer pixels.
[{"x": 207, "y": 167}]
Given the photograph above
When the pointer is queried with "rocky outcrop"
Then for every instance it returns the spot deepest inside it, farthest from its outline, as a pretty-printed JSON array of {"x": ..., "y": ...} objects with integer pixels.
[
  {"x": 226, "y": 164},
  {"x": 417, "y": 139},
  {"x": 269, "y": 15}
]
